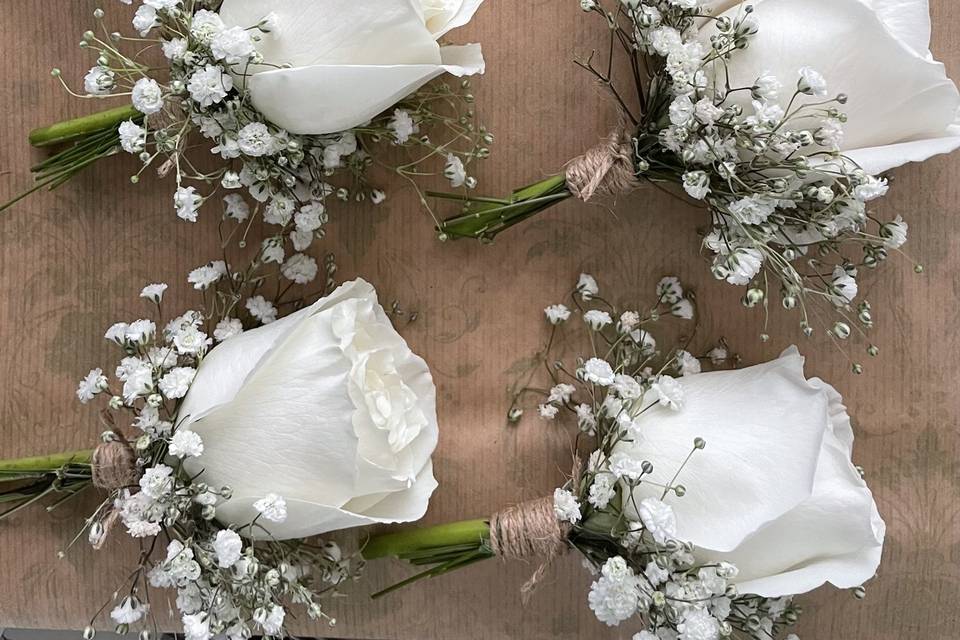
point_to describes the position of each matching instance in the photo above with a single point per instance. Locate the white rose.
(902, 106)
(774, 492)
(349, 60)
(327, 408)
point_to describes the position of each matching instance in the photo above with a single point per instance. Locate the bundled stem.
(94, 137)
(484, 218)
(444, 548)
(42, 464)
(80, 128)
(25, 481)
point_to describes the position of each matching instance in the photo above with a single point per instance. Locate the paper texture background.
(73, 262)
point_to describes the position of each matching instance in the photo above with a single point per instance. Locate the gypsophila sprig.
(202, 92)
(790, 214)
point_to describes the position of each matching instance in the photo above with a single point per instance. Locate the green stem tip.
(483, 218)
(78, 128)
(44, 464)
(402, 544)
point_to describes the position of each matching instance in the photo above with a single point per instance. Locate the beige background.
(71, 263)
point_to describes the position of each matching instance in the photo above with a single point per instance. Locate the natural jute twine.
(607, 169)
(114, 464)
(529, 530)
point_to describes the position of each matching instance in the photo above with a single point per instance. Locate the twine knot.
(527, 531)
(114, 464)
(606, 169)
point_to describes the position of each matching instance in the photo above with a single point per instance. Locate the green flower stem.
(404, 544)
(70, 130)
(94, 138)
(484, 218)
(43, 464)
(27, 481)
(444, 548)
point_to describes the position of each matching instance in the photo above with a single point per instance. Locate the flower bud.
(841, 330)
(96, 535)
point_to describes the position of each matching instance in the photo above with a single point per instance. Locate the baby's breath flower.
(626, 467)
(99, 81)
(566, 507)
(587, 287)
(209, 274)
(586, 419)
(602, 490)
(669, 392)
(156, 481)
(844, 286)
(261, 309)
(186, 201)
(894, 233)
(147, 96)
(227, 328)
(682, 309)
(300, 268)
(597, 371)
(561, 393)
(812, 83)
(186, 444)
(91, 386)
(228, 547)
(145, 20)
(154, 292)
(255, 140)
(402, 126)
(272, 507)
(614, 597)
(597, 319)
(742, 266)
(548, 411)
(687, 363)
(669, 290)
(209, 85)
(455, 171)
(234, 45)
(129, 611)
(658, 519)
(629, 320)
(176, 383)
(557, 313)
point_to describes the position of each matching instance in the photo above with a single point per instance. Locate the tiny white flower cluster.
(780, 192)
(288, 178)
(225, 586)
(646, 574)
(677, 600)
(626, 373)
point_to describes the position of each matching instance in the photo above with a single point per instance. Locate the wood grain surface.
(72, 263)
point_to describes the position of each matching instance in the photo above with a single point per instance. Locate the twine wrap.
(114, 465)
(607, 169)
(526, 531)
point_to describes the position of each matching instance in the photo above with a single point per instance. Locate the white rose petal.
(777, 454)
(375, 52)
(885, 53)
(351, 414)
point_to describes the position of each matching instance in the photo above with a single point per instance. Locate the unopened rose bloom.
(344, 61)
(902, 107)
(778, 457)
(328, 408)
